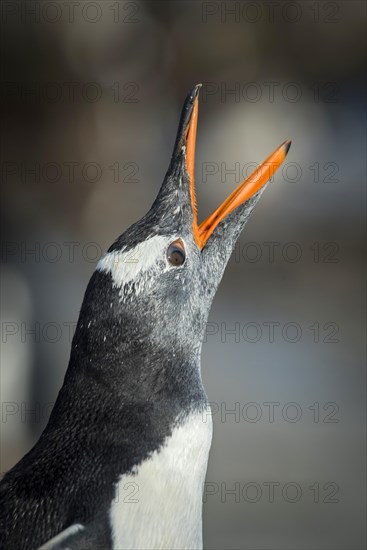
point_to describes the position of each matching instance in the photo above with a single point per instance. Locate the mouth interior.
(244, 191)
(190, 166)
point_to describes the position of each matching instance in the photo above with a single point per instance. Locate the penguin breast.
(159, 504)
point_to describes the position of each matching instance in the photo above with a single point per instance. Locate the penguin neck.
(135, 365)
(127, 350)
(125, 379)
(134, 395)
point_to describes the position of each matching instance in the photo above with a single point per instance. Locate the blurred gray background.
(91, 95)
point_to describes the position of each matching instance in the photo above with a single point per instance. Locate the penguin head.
(163, 272)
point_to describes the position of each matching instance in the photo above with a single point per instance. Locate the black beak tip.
(194, 93)
(287, 146)
(191, 96)
(185, 118)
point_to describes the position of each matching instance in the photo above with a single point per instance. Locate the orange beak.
(244, 191)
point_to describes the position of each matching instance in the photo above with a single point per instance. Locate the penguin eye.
(176, 254)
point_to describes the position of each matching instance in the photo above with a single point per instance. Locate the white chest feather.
(160, 506)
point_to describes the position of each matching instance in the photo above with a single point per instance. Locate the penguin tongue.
(245, 191)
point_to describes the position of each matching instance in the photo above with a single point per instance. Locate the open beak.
(244, 191)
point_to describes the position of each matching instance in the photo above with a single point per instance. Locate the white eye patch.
(137, 264)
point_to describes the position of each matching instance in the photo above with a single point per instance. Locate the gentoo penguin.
(122, 461)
